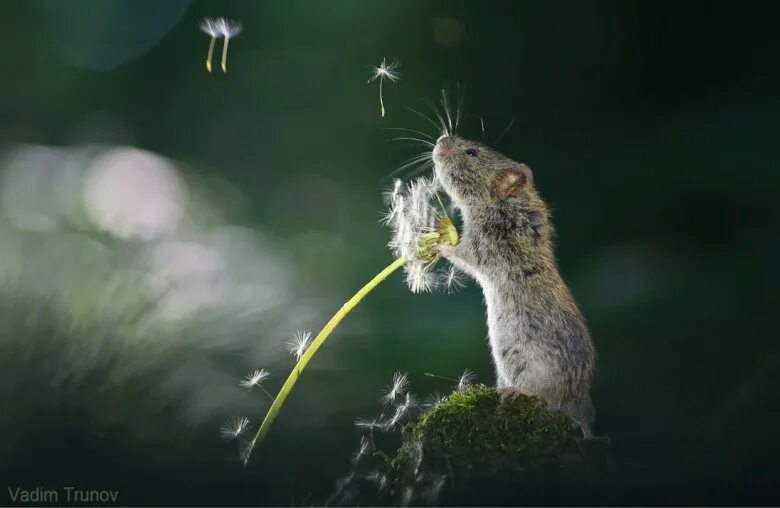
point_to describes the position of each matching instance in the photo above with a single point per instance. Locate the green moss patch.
(494, 451)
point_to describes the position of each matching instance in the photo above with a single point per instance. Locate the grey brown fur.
(538, 337)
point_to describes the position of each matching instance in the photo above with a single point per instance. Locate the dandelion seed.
(362, 451)
(209, 27)
(234, 428)
(432, 491)
(397, 388)
(227, 29)
(432, 401)
(453, 280)
(376, 423)
(466, 379)
(417, 456)
(406, 496)
(298, 344)
(385, 71)
(401, 410)
(379, 478)
(254, 379)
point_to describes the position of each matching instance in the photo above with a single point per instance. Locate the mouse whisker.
(458, 105)
(418, 140)
(426, 117)
(421, 133)
(423, 158)
(506, 130)
(437, 113)
(446, 107)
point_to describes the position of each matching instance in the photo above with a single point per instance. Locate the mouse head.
(475, 175)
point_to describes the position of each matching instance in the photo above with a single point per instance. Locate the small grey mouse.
(538, 337)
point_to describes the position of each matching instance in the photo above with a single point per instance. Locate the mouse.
(540, 344)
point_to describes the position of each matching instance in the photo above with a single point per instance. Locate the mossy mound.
(474, 448)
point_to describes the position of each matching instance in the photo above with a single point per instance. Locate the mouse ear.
(512, 181)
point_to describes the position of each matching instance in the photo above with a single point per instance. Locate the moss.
(494, 451)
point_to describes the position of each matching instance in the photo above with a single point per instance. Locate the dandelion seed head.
(228, 28)
(210, 27)
(386, 71)
(298, 343)
(419, 223)
(235, 428)
(397, 388)
(254, 378)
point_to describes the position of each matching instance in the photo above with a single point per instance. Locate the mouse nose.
(445, 146)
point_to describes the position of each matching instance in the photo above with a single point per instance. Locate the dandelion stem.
(224, 55)
(273, 411)
(211, 53)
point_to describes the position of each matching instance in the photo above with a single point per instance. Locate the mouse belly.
(537, 352)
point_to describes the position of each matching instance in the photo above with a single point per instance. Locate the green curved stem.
(345, 309)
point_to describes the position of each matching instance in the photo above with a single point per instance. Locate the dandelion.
(235, 428)
(298, 343)
(227, 29)
(362, 451)
(384, 71)
(466, 379)
(397, 388)
(419, 224)
(209, 27)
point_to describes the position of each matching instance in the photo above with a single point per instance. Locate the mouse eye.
(471, 152)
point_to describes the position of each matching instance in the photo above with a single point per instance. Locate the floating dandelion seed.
(227, 29)
(379, 478)
(406, 496)
(453, 280)
(298, 344)
(376, 423)
(466, 379)
(397, 388)
(432, 401)
(385, 71)
(254, 379)
(401, 410)
(209, 27)
(234, 428)
(365, 445)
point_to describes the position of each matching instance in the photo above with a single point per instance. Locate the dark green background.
(652, 129)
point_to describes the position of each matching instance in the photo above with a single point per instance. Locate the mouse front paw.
(444, 250)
